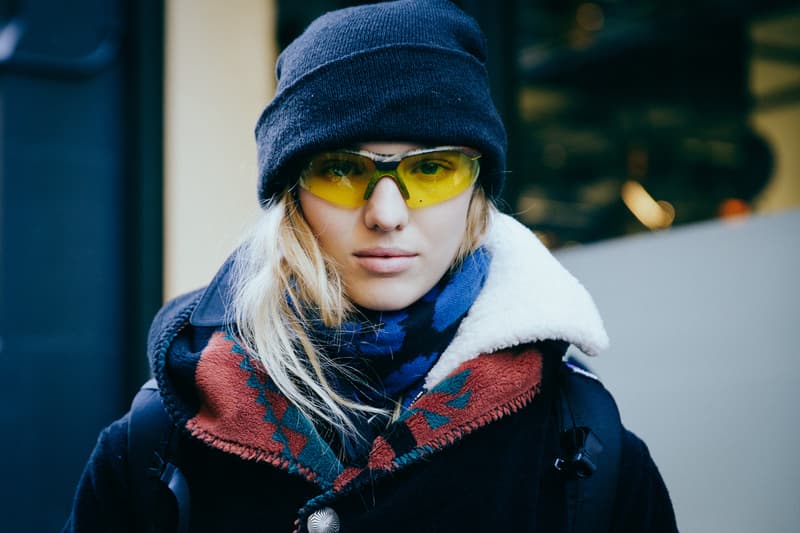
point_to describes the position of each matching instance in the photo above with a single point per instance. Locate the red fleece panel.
(227, 418)
(346, 477)
(278, 402)
(501, 379)
(381, 456)
(295, 440)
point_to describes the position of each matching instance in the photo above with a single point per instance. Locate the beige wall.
(781, 128)
(220, 60)
(780, 125)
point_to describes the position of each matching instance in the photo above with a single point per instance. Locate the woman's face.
(388, 254)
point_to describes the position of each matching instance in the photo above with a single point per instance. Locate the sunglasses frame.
(386, 164)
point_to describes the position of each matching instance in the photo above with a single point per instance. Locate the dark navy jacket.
(474, 453)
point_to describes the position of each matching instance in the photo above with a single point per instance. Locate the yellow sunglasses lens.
(339, 177)
(425, 178)
(434, 177)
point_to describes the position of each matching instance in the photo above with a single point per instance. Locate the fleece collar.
(528, 296)
(242, 412)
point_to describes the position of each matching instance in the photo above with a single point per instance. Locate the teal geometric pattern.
(452, 386)
(293, 430)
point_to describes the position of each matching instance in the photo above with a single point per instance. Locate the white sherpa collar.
(528, 296)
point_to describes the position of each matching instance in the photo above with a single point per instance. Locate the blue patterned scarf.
(392, 351)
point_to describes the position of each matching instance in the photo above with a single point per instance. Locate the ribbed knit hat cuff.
(406, 93)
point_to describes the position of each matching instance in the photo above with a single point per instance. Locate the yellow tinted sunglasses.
(425, 176)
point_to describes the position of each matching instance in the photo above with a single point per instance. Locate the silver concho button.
(323, 520)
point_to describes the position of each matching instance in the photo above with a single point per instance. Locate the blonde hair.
(279, 273)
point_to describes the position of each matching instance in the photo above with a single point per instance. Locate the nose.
(386, 209)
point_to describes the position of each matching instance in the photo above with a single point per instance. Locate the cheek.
(445, 227)
(313, 212)
(328, 223)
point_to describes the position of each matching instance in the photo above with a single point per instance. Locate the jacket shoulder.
(643, 502)
(101, 501)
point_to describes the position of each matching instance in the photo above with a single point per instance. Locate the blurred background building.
(636, 130)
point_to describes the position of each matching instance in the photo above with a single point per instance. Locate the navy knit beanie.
(410, 70)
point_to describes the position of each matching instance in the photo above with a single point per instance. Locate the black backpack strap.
(152, 454)
(591, 444)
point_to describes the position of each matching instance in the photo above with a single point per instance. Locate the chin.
(383, 304)
(386, 299)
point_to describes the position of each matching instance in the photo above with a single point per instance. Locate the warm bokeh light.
(653, 214)
(590, 17)
(733, 207)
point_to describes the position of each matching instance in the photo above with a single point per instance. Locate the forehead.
(387, 148)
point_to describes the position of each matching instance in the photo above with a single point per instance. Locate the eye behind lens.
(335, 166)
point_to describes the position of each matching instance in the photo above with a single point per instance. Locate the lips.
(385, 260)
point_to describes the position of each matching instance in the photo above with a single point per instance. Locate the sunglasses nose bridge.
(385, 169)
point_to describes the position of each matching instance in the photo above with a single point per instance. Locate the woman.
(383, 352)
